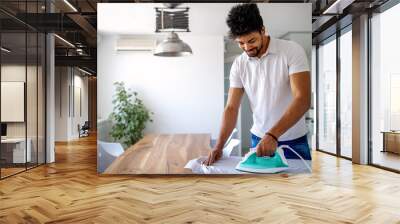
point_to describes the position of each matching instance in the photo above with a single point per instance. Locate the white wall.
(61, 103)
(82, 82)
(185, 93)
(302, 38)
(66, 121)
(204, 18)
(79, 117)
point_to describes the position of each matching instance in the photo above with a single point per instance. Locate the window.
(385, 89)
(327, 96)
(346, 94)
(22, 78)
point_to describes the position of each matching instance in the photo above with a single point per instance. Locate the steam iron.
(266, 164)
(277, 163)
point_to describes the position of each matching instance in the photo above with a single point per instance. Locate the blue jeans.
(300, 145)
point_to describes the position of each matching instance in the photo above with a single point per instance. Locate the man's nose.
(246, 47)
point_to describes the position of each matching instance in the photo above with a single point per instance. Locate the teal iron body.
(254, 164)
(277, 163)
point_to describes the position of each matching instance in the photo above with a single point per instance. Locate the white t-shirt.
(266, 83)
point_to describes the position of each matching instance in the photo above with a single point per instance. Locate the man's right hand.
(213, 156)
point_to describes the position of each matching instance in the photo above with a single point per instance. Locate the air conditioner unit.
(135, 44)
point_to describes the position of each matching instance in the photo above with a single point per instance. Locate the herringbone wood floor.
(70, 191)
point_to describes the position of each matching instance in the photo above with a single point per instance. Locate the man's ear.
(263, 30)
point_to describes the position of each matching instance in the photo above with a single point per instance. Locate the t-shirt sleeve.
(234, 76)
(297, 59)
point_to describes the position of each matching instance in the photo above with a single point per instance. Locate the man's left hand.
(267, 146)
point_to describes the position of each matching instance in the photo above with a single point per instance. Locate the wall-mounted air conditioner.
(135, 44)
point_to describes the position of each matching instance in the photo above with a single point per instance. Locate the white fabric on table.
(226, 165)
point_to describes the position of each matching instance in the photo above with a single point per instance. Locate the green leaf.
(129, 116)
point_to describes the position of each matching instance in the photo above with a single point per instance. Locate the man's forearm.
(294, 112)
(228, 124)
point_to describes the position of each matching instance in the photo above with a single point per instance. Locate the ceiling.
(77, 26)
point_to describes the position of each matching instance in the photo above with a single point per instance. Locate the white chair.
(232, 135)
(107, 153)
(232, 148)
(103, 130)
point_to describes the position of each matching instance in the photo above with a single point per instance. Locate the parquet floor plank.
(70, 191)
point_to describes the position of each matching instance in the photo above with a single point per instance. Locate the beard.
(253, 52)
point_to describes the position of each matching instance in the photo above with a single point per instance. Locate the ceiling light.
(70, 5)
(64, 40)
(338, 6)
(84, 71)
(5, 50)
(172, 47)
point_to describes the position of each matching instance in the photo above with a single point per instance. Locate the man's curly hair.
(244, 19)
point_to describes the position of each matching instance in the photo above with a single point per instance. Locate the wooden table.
(161, 154)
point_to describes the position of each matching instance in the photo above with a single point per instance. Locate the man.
(274, 74)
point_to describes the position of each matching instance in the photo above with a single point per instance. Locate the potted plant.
(129, 116)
